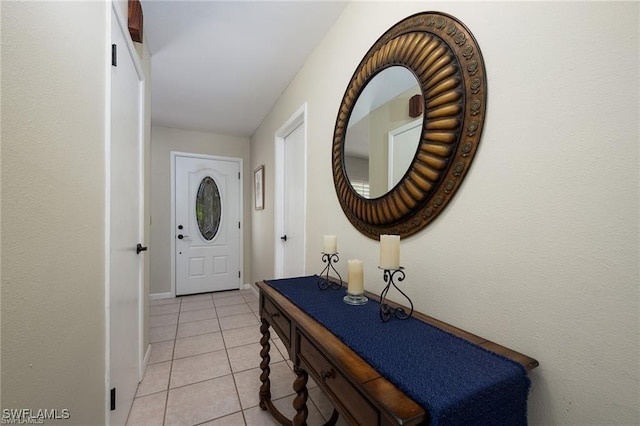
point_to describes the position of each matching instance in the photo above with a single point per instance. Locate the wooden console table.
(358, 392)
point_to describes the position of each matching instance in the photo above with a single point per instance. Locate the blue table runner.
(455, 381)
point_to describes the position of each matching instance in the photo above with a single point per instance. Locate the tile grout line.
(166, 401)
(233, 377)
(246, 303)
(201, 381)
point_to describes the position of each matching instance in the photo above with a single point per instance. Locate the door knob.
(140, 248)
(180, 236)
(283, 238)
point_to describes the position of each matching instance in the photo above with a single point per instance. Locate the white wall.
(53, 211)
(53, 157)
(163, 141)
(539, 249)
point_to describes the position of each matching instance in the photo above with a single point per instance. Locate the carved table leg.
(300, 401)
(265, 388)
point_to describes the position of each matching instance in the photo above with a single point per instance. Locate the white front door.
(293, 204)
(207, 224)
(125, 230)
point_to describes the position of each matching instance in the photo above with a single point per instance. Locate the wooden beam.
(135, 20)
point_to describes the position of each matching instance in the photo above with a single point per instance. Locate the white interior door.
(294, 201)
(403, 144)
(207, 224)
(125, 230)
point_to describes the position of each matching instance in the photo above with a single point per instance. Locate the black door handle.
(140, 248)
(180, 236)
(283, 238)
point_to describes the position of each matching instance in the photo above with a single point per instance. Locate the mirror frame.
(446, 60)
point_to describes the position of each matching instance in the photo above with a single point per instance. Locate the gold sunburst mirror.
(409, 125)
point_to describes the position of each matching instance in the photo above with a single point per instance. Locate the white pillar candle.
(355, 284)
(390, 251)
(330, 245)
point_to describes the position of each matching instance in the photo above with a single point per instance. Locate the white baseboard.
(253, 288)
(145, 361)
(156, 296)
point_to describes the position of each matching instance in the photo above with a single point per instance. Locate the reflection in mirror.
(381, 138)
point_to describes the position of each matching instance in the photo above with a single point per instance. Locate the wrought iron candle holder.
(323, 278)
(385, 310)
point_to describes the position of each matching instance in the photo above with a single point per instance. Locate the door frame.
(173, 155)
(112, 9)
(298, 118)
(391, 144)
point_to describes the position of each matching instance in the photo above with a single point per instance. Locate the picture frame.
(258, 188)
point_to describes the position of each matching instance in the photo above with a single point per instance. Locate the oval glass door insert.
(208, 208)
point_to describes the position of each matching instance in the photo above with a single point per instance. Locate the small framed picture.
(258, 187)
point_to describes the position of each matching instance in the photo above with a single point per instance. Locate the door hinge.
(238, 225)
(113, 399)
(114, 55)
(238, 175)
(238, 274)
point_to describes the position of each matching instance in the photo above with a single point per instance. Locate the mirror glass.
(381, 138)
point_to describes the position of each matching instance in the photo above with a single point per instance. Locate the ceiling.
(219, 66)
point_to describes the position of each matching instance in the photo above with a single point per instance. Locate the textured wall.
(53, 192)
(164, 140)
(539, 248)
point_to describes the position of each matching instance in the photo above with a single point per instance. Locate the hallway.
(204, 366)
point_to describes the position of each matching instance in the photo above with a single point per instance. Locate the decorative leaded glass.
(208, 208)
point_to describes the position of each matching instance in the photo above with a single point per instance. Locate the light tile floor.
(204, 366)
